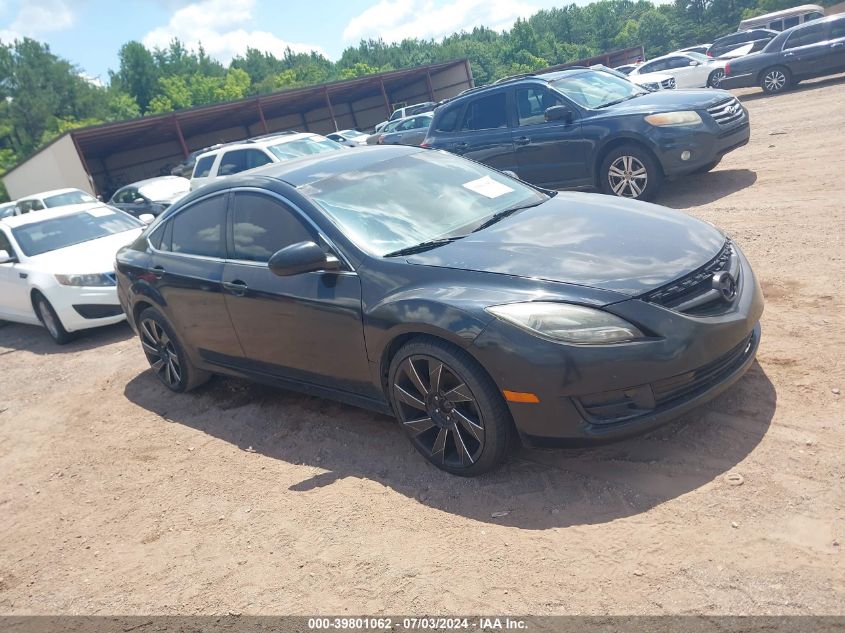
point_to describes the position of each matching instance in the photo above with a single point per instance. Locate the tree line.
(42, 95)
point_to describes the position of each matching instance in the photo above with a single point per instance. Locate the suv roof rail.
(504, 80)
(263, 137)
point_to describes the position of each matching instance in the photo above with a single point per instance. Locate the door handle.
(158, 272)
(522, 140)
(789, 54)
(837, 45)
(236, 287)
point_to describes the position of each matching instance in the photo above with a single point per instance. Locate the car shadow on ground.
(699, 189)
(812, 84)
(16, 337)
(536, 489)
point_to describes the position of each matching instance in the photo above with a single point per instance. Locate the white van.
(782, 20)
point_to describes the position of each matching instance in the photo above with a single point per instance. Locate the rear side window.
(486, 113)
(262, 226)
(448, 121)
(198, 230)
(815, 15)
(653, 67)
(240, 160)
(805, 36)
(788, 23)
(203, 167)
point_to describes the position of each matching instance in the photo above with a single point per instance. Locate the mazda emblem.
(725, 283)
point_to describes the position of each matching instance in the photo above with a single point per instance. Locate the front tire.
(715, 78)
(166, 354)
(50, 320)
(449, 407)
(629, 171)
(775, 80)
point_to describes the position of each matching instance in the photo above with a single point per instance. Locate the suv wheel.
(449, 407)
(776, 79)
(630, 172)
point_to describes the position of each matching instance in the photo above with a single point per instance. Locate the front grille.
(686, 385)
(727, 113)
(625, 404)
(668, 84)
(97, 310)
(694, 293)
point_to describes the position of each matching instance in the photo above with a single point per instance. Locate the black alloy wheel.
(450, 409)
(165, 355)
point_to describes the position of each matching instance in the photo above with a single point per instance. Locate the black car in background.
(812, 49)
(584, 128)
(465, 302)
(758, 38)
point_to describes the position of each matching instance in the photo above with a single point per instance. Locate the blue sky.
(90, 32)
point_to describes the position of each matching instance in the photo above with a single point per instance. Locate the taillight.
(727, 69)
(425, 145)
(709, 54)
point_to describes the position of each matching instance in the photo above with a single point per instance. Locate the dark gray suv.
(589, 128)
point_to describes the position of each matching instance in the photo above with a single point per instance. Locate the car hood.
(667, 101)
(93, 256)
(593, 240)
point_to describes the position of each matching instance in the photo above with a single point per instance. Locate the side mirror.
(694, 63)
(559, 113)
(5, 258)
(303, 257)
(147, 218)
(139, 201)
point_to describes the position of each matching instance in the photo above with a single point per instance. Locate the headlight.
(674, 119)
(567, 323)
(98, 279)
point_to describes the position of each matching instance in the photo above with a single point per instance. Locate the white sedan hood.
(93, 256)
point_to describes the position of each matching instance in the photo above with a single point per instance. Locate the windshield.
(303, 147)
(594, 89)
(165, 189)
(419, 197)
(50, 235)
(69, 197)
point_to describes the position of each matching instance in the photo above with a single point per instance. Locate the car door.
(187, 265)
(14, 291)
(836, 42)
(305, 327)
(484, 134)
(549, 153)
(685, 72)
(807, 52)
(417, 133)
(396, 137)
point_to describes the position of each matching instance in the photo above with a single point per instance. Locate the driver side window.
(263, 225)
(532, 103)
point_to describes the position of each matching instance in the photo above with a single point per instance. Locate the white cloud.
(222, 27)
(395, 20)
(36, 17)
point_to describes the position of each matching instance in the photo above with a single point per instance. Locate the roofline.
(401, 72)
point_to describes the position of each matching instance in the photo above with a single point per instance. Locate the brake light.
(709, 54)
(425, 145)
(727, 69)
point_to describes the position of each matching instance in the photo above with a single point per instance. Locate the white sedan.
(690, 70)
(57, 267)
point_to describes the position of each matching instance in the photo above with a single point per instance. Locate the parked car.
(186, 167)
(53, 198)
(784, 19)
(151, 196)
(402, 113)
(350, 138)
(234, 158)
(654, 81)
(410, 131)
(373, 138)
(7, 210)
(701, 49)
(813, 49)
(465, 302)
(57, 267)
(757, 38)
(583, 128)
(690, 70)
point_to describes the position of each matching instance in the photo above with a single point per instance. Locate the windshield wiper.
(612, 103)
(501, 215)
(423, 246)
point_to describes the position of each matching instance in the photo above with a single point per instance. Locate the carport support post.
(352, 112)
(331, 110)
(428, 83)
(386, 100)
(261, 116)
(181, 138)
(469, 74)
(84, 163)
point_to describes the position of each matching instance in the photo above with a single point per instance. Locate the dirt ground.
(117, 497)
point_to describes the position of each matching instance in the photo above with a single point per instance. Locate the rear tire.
(449, 407)
(630, 171)
(775, 79)
(166, 354)
(50, 320)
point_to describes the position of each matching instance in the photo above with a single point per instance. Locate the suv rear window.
(486, 113)
(203, 166)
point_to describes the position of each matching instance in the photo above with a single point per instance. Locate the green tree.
(138, 75)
